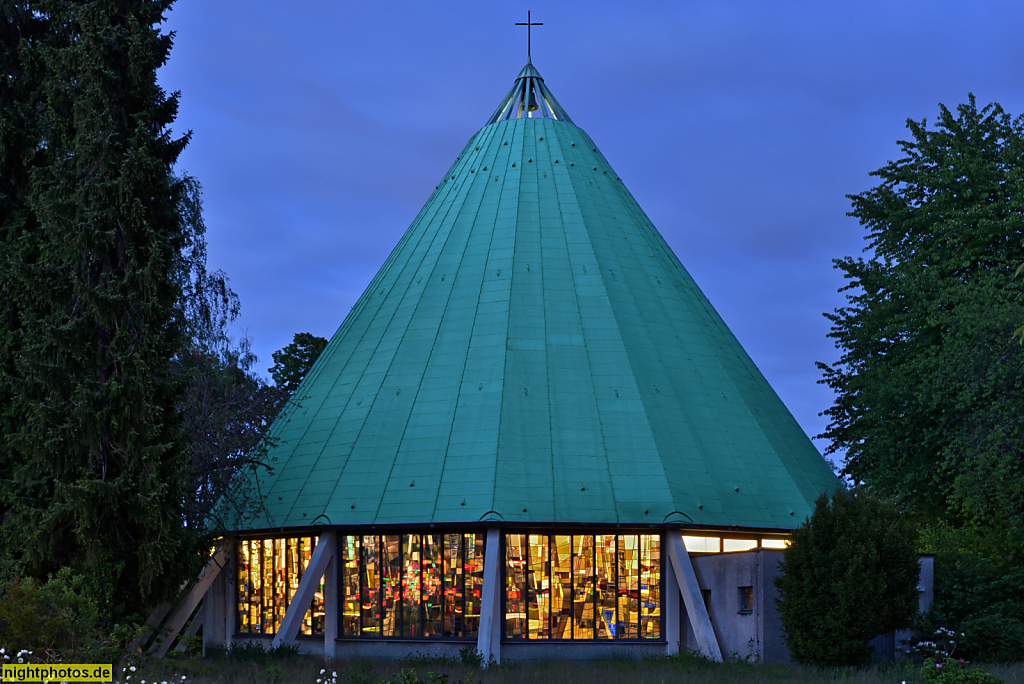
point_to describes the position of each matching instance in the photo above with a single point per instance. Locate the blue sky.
(320, 128)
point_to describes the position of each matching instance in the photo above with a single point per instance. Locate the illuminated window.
(349, 590)
(408, 585)
(602, 586)
(774, 543)
(411, 585)
(739, 544)
(650, 586)
(702, 544)
(269, 571)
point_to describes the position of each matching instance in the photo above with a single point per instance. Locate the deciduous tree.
(929, 389)
(293, 361)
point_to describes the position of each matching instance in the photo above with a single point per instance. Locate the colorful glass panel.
(280, 583)
(349, 594)
(473, 559)
(629, 587)
(391, 585)
(453, 586)
(267, 580)
(243, 587)
(256, 582)
(538, 602)
(583, 579)
(515, 586)
(304, 553)
(412, 561)
(605, 551)
(650, 586)
(432, 583)
(370, 600)
(561, 587)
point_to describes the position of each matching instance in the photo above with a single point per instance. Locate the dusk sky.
(321, 128)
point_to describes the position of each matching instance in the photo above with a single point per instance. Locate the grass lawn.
(306, 670)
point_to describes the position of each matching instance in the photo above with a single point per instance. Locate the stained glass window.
(411, 585)
(370, 585)
(453, 591)
(269, 572)
(561, 587)
(432, 582)
(628, 569)
(650, 586)
(583, 582)
(350, 615)
(391, 585)
(538, 603)
(473, 564)
(583, 587)
(515, 586)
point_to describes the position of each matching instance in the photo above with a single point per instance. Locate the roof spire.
(529, 98)
(528, 24)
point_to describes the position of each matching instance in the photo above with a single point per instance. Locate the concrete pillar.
(331, 616)
(230, 593)
(319, 561)
(189, 602)
(696, 611)
(489, 637)
(670, 610)
(215, 605)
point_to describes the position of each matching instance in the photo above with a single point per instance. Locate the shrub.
(58, 620)
(849, 574)
(979, 590)
(951, 671)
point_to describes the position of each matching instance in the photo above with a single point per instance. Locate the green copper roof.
(533, 351)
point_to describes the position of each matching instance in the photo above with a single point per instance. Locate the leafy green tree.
(293, 361)
(92, 440)
(929, 404)
(849, 575)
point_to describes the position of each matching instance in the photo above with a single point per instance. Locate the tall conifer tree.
(92, 438)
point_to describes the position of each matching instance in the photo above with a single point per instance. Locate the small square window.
(746, 596)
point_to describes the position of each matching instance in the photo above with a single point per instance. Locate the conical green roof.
(533, 352)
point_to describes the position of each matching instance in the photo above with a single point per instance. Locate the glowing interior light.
(702, 544)
(739, 544)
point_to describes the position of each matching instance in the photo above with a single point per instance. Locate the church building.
(532, 436)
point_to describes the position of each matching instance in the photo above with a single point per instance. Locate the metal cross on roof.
(528, 24)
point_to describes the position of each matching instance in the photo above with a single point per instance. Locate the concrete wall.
(757, 634)
(890, 650)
